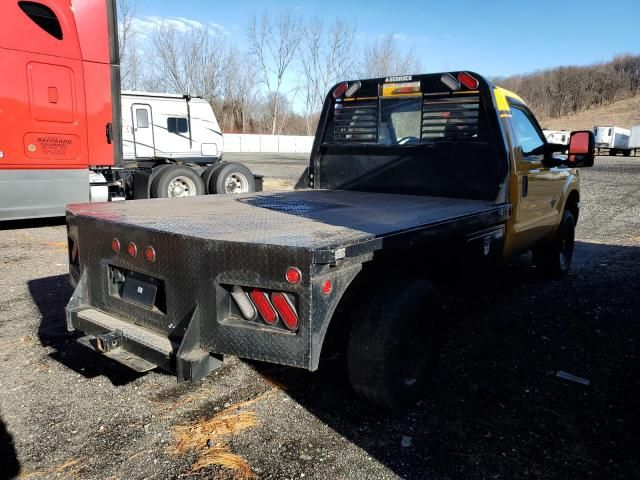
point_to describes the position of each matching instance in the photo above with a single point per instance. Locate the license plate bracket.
(140, 289)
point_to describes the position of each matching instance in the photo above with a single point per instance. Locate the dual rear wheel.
(183, 181)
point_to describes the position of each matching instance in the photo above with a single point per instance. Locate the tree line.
(568, 90)
(275, 85)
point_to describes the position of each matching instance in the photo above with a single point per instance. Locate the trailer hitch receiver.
(108, 341)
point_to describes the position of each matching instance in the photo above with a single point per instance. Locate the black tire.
(554, 259)
(208, 173)
(221, 179)
(627, 153)
(394, 343)
(191, 184)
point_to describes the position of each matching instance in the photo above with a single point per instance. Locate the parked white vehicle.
(173, 127)
(616, 139)
(634, 137)
(560, 137)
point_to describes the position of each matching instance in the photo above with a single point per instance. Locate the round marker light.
(327, 287)
(132, 250)
(150, 254)
(293, 275)
(115, 245)
(340, 89)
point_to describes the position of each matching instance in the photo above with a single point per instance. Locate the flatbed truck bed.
(312, 220)
(205, 246)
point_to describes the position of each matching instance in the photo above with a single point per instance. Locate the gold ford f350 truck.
(409, 177)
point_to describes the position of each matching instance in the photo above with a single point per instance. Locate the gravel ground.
(497, 409)
(281, 170)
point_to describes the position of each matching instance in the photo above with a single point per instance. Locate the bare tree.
(567, 90)
(239, 92)
(383, 57)
(191, 62)
(130, 62)
(326, 56)
(273, 44)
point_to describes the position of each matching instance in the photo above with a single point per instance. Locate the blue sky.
(490, 37)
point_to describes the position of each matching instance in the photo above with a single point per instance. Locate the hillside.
(624, 113)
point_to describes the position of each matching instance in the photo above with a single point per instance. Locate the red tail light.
(285, 309)
(150, 254)
(262, 303)
(468, 81)
(327, 287)
(132, 250)
(340, 89)
(115, 245)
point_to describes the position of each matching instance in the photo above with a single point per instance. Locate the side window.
(44, 17)
(527, 136)
(177, 125)
(142, 118)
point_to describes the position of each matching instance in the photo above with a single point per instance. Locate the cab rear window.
(407, 120)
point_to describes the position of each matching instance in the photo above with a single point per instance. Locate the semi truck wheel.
(232, 177)
(207, 174)
(394, 343)
(554, 259)
(176, 181)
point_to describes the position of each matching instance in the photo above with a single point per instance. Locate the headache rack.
(356, 121)
(450, 116)
(443, 115)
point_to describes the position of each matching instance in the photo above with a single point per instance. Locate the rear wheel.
(554, 259)
(232, 177)
(394, 343)
(176, 181)
(627, 153)
(208, 174)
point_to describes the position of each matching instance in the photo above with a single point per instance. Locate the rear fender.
(324, 305)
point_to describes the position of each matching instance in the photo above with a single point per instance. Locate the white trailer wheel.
(236, 183)
(181, 187)
(177, 181)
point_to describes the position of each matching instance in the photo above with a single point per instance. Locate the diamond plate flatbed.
(207, 245)
(309, 219)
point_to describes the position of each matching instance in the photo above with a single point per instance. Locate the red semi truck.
(60, 119)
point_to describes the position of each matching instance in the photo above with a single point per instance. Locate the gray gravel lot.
(497, 409)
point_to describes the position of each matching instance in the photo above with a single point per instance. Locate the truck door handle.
(109, 132)
(525, 186)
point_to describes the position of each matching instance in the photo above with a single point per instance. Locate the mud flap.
(192, 362)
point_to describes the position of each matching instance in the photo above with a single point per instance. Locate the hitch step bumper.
(138, 347)
(118, 339)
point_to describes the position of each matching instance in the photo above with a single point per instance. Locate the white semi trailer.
(615, 139)
(634, 139)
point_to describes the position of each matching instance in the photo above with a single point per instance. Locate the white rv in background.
(616, 139)
(173, 127)
(560, 137)
(634, 138)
